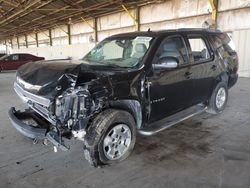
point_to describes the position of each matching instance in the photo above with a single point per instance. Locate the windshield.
(119, 52)
(3, 57)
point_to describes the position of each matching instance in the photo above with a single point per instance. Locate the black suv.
(139, 82)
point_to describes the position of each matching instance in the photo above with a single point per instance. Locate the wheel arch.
(131, 106)
(223, 77)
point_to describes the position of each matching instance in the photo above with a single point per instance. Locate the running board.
(172, 120)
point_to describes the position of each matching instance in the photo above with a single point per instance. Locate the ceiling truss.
(20, 17)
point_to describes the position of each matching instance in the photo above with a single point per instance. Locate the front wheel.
(218, 100)
(110, 138)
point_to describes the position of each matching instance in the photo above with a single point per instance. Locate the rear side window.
(24, 57)
(199, 49)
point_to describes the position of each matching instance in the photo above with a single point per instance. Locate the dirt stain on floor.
(188, 138)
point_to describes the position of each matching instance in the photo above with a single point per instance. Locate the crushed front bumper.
(37, 129)
(17, 120)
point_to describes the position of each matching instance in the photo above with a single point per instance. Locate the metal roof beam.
(20, 11)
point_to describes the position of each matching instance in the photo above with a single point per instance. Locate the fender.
(132, 106)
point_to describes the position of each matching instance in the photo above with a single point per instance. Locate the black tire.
(213, 108)
(99, 129)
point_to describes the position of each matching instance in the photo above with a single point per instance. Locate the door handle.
(213, 67)
(187, 75)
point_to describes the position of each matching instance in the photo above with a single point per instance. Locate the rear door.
(205, 68)
(24, 58)
(170, 90)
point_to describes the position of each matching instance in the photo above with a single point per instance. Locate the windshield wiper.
(107, 63)
(115, 65)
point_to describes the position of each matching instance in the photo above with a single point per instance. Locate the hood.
(45, 77)
(43, 72)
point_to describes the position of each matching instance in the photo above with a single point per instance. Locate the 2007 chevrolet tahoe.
(139, 82)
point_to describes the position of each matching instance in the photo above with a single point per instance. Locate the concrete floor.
(205, 151)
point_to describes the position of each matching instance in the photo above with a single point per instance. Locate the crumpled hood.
(50, 74)
(44, 72)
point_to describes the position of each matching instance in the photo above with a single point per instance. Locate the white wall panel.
(60, 31)
(81, 27)
(173, 10)
(43, 35)
(113, 21)
(234, 20)
(104, 34)
(231, 4)
(157, 12)
(82, 38)
(242, 43)
(60, 41)
(58, 52)
(180, 23)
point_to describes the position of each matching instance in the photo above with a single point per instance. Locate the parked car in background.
(14, 61)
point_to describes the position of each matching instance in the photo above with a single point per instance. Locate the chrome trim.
(42, 112)
(26, 96)
(27, 85)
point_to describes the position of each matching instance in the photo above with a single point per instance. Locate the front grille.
(27, 85)
(39, 104)
(27, 96)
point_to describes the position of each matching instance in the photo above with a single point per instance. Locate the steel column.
(26, 41)
(214, 6)
(69, 33)
(50, 38)
(37, 44)
(18, 44)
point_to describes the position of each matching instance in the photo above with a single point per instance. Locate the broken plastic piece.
(35, 141)
(55, 149)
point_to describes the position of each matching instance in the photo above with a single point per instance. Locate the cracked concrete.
(206, 151)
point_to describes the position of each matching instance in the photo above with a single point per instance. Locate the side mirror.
(166, 63)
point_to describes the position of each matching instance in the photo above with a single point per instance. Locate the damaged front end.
(54, 118)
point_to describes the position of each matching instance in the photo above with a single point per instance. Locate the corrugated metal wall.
(241, 39)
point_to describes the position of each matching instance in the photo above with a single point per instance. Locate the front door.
(10, 62)
(170, 90)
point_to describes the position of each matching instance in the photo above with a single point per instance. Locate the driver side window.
(172, 47)
(12, 58)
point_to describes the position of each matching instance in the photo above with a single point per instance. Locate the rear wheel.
(218, 100)
(110, 138)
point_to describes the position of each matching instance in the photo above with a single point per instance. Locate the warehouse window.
(199, 49)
